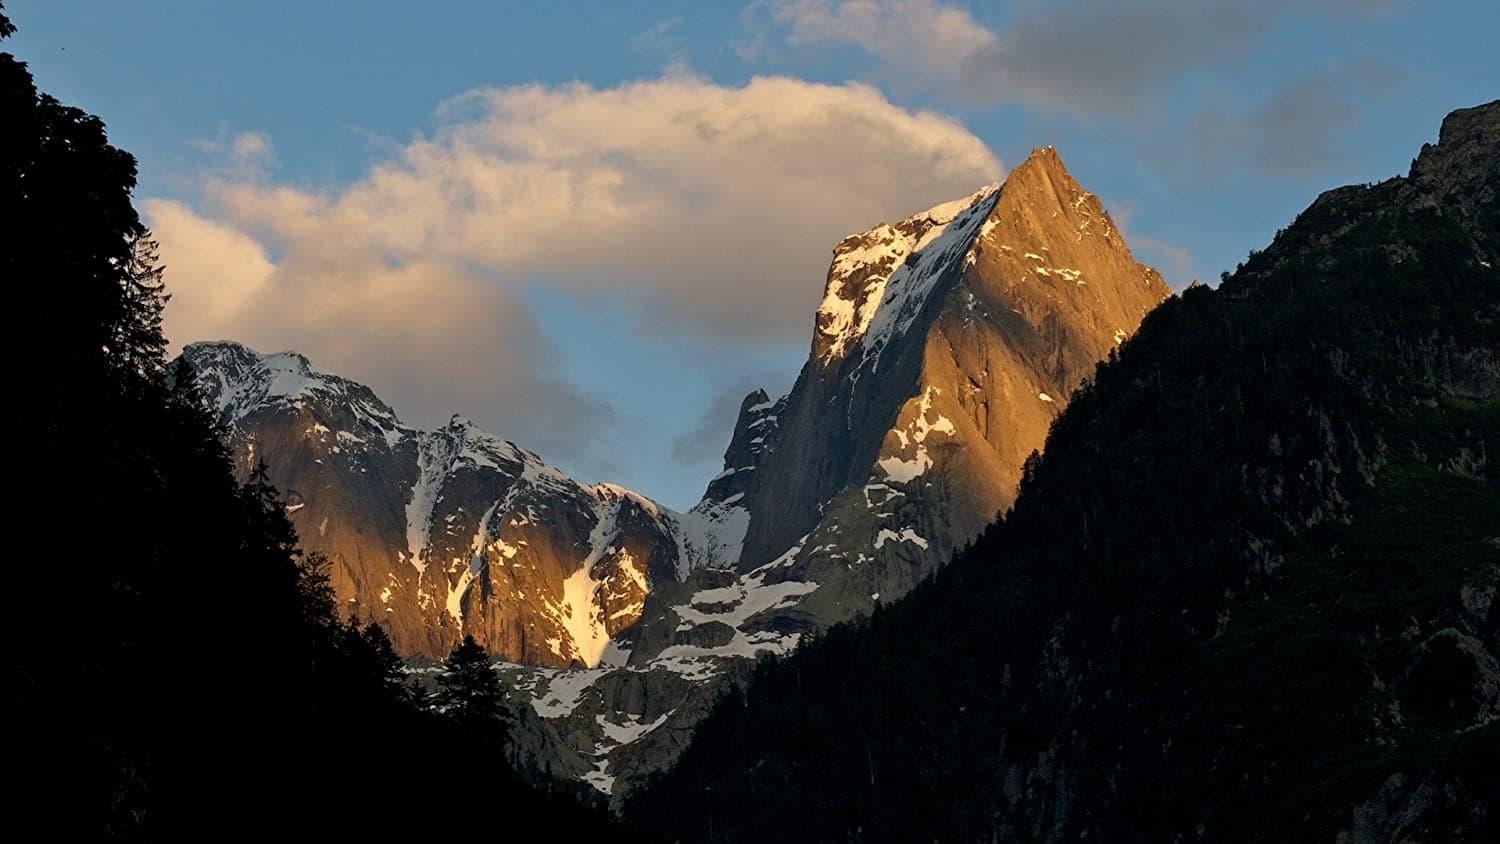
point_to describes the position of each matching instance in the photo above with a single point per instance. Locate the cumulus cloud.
(1086, 56)
(930, 39)
(721, 203)
(431, 338)
(716, 207)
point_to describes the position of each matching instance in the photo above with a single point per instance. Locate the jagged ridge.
(441, 532)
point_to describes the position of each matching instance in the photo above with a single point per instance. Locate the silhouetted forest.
(176, 668)
(1246, 593)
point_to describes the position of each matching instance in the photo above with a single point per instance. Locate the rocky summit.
(943, 348)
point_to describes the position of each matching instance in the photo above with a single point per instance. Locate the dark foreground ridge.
(1248, 593)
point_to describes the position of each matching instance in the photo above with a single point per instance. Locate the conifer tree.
(389, 666)
(469, 690)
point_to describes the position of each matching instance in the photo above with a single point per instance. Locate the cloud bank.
(714, 206)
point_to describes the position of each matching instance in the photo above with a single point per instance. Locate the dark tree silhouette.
(469, 690)
(175, 668)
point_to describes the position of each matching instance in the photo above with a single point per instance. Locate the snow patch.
(564, 691)
(600, 778)
(946, 243)
(615, 655)
(904, 470)
(631, 730)
(905, 535)
(734, 605)
(901, 471)
(454, 603)
(579, 613)
(710, 535)
(893, 268)
(435, 455)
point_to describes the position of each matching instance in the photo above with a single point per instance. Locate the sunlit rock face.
(944, 347)
(440, 533)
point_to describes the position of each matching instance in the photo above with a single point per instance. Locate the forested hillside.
(274, 715)
(1247, 593)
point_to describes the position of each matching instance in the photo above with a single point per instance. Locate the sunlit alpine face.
(595, 238)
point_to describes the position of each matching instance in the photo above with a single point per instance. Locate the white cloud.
(723, 203)
(431, 338)
(660, 40)
(715, 206)
(246, 155)
(924, 37)
(217, 270)
(252, 150)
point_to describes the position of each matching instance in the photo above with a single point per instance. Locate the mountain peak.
(1040, 154)
(1045, 159)
(236, 380)
(1238, 430)
(1461, 172)
(1015, 290)
(1466, 152)
(1476, 126)
(221, 349)
(216, 355)
(1044, 174)
(879, 279)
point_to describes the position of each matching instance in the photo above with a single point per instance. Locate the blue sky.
(612, 334)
